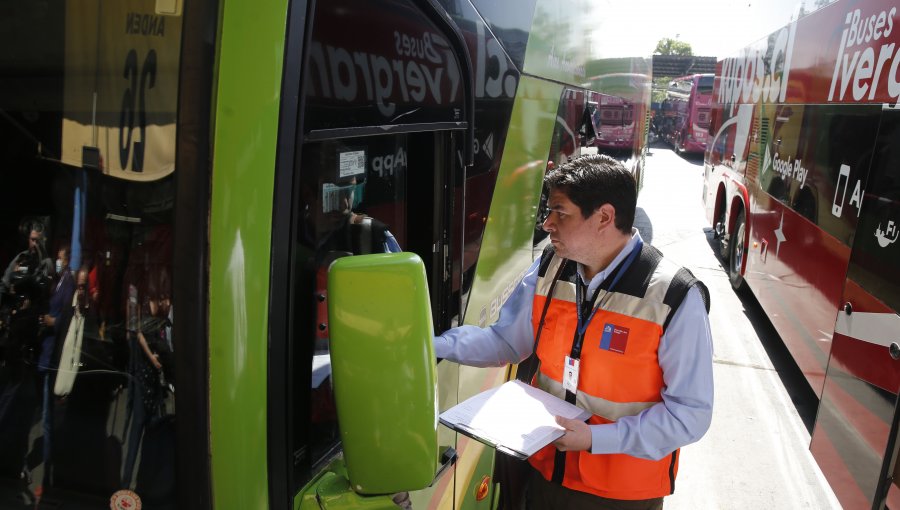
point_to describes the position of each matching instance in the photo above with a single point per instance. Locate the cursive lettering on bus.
(361, 76)
(145, 24)
(862, 68)
(759, 72)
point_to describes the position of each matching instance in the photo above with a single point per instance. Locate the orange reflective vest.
(619, 371)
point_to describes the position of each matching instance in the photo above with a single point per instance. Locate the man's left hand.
(577, 436)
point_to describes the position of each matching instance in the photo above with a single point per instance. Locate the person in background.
(30, 267)
(631, 326)
(148, 330)
(24, 289)
(55, 323)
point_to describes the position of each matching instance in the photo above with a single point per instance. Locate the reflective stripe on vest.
(619, 376)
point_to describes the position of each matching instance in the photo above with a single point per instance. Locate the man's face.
(33, 239)
(61, 255)
(337, 204)
(81, 281)
(572, 234)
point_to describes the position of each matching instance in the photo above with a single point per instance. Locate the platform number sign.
(133, 116)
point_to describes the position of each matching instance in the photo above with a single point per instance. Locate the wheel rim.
(738, 259)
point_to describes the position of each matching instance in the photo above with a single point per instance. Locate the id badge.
(570, 374)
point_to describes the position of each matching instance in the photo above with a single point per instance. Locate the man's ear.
(607, 215)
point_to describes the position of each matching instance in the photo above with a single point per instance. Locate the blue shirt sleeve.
(509, 340)
(684, 415)
(685, 356)
(390, 243)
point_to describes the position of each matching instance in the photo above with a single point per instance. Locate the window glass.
(705, 84)
(829, 178)
(352, 201)
(564, 146)
(875, 248)
(611, 114)
(87, 356)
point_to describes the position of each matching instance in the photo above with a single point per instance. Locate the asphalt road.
(756, 453)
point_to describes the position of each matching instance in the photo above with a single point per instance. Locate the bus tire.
(738, 251)
(722, 239)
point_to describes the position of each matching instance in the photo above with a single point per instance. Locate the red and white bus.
(616, 123)
(622, 107)
(687, 107)
(802, 183)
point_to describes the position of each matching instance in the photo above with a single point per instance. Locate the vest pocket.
(625, 477)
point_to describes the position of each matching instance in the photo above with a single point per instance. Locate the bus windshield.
(705, 84)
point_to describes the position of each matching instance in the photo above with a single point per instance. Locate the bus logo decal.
(788, 170)
(758, 72)
(779, 234)
(887, 236)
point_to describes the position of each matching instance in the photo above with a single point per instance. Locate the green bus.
(254, 164)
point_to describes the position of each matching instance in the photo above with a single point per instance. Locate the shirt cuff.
(441, 347)
(605, 438)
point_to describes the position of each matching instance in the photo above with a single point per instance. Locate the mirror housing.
(384, 371)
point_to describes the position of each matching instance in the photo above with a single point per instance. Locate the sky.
(714, 28)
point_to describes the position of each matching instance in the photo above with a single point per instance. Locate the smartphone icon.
(840, 190)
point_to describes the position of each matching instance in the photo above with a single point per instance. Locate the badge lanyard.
(573, 361)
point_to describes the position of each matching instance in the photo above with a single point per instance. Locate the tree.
(669, 46)
(658, 90)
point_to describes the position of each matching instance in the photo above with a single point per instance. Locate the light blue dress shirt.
(685, 356)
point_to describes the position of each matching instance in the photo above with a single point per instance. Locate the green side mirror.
(384, 371)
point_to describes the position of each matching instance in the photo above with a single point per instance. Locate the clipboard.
(513, 418)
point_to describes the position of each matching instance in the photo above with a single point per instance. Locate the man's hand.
(577, 436)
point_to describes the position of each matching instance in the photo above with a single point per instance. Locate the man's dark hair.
(593, 180)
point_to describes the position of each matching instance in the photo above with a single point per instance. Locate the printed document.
(515, 418)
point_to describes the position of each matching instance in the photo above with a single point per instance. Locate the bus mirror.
(384, 371)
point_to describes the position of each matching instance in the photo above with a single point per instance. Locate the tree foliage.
(658, 91)
(669, 46)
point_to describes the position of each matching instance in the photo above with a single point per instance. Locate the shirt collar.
(599, 277)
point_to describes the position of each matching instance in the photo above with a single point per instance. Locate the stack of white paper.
(515, 418)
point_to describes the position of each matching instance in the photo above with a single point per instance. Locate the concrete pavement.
(756, 453)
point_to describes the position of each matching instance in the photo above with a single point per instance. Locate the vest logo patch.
(615, 338)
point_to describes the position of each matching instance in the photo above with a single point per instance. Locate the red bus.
(621, 109)
(802, 184)
(687, 107)
(616, 123)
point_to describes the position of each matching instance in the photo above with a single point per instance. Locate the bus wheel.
(736, 257)
(722, 236)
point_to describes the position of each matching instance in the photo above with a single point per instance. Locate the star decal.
(779, 234)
